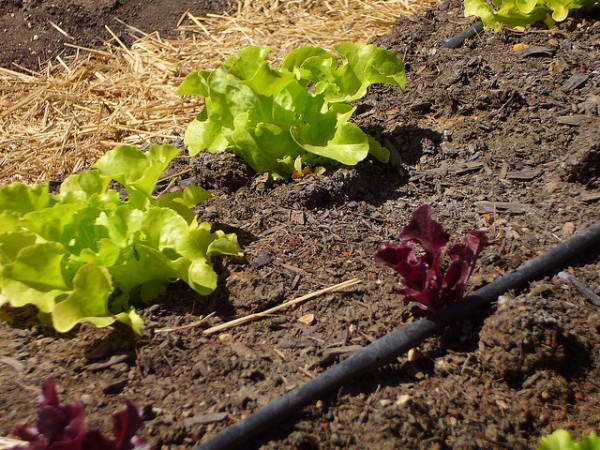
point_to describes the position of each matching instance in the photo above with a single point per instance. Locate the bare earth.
(493, 138)
(29, 38)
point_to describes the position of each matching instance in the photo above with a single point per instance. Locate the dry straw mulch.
(60, 121)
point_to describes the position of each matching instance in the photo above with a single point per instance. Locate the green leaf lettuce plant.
(280, 120)
(87, 254)
(562, 440)
(518, 14)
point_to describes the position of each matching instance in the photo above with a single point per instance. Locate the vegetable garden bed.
(500, 134)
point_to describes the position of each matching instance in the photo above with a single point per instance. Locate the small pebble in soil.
(261, 260)
(87, 399)
(225, 337)
(402, 400)
(307, 319)
(114, 388)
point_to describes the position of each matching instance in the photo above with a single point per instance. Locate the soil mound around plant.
(500, 134)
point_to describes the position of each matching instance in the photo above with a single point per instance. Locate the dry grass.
(60, 121)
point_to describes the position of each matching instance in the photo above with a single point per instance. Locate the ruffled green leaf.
(20, 198)
(349, 145)
(87, 302)
(365, 65)
(273, 118)
(519, 14)
(195, 84)
(87, 254)
(37, 275)
(137, 171)
(183, 201)
(562, 440)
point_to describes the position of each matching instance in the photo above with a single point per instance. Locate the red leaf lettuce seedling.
(424, 281)
(63, 427)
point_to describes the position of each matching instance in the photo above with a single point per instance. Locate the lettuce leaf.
(425, 283)
(63, 427)
(297, 114)
(88, 255)
(518, 14)
(562, 440)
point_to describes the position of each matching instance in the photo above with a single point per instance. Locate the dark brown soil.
(29, 39)
(493, 139)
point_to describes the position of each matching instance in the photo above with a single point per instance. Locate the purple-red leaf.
(63, 427)
(427, 232)
(48, 396)
(94, 440)
(424, 282)
(125, 424)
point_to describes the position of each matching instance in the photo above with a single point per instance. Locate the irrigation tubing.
(457, 40)
(392, 345)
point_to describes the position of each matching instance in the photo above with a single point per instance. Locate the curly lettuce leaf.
(519, 14)
(22, 199)
(87, 301)
(364, 65)
(562, 440)
(88, 255)
(137, 171)
(298, 114)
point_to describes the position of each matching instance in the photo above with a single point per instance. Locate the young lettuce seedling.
(562, 440)
(63, 427)
(86, 254)
(519, 14)
(424, 281)
(280, 120)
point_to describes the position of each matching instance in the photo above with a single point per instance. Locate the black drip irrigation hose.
(457, 40)
(392, 345)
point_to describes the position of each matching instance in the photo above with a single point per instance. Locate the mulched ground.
(493, 138)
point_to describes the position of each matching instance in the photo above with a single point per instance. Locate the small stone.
(261, 260)
(115, 388)
(402, 400)
(442, 366)
(414, 354)
(279, 320)
(568, 229)
(552, 187)
(202, 419)
(492, 433)
(557, 66)
(307, 319)
(505, 301)
(225, 337)
(87, 399)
